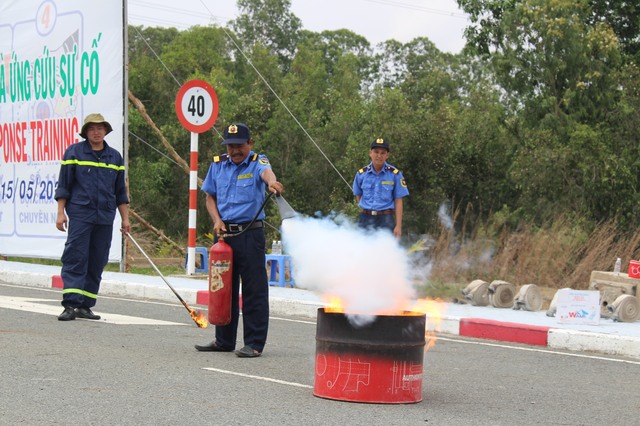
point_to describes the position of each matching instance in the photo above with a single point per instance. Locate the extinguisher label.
(218, 268)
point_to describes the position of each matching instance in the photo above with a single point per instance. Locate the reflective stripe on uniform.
(92, 163)
(82, 292)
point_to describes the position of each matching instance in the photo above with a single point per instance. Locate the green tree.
(559, 74)
(623, 17)
(269, 23)
(486, 32)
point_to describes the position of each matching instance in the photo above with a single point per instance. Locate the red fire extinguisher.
(221, 277)
(220, 283)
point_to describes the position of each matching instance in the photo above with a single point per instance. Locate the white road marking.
(531, 349)
(30, 305)
(266, 379)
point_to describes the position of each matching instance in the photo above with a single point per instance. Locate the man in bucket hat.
(379, 188)
(91, 186)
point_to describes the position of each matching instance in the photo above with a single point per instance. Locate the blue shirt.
(238, 188)
(93, 184)
(378, 191)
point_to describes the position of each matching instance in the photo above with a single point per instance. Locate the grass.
(561, 254)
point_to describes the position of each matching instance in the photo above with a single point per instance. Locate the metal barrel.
(381, 362)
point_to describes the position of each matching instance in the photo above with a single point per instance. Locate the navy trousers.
(86, 253)
(248, 266)
(384, 221)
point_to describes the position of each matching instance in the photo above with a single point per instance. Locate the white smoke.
(367, 270)
(445, 218)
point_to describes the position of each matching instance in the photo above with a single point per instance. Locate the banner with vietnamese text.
(59, 61)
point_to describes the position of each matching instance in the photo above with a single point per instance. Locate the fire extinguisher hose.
(228, 234)
(197, 316)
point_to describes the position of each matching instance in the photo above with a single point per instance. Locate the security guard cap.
(237, 133)
(94, 118)
(380, 143)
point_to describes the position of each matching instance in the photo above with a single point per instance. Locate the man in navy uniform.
(235, 191)
(379, 188)
(91, 186)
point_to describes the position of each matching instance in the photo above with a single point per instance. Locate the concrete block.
(611, 286)
(622, 281)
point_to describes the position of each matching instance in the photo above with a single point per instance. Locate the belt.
(239, 227)
(377, 212)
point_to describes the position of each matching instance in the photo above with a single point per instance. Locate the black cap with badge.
(380, 143)
(236, 134)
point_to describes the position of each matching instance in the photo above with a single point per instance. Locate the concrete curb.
(504, 331)
(594, 342)
(27, 279)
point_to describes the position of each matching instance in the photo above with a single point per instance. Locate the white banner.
(59, 61)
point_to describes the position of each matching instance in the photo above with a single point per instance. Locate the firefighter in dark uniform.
(379, 188)
(235, 191)
(91, 187)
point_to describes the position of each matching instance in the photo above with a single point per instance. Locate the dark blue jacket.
(94, 186)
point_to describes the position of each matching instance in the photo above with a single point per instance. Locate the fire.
(432, 308)
(199, 318)
(334, 304)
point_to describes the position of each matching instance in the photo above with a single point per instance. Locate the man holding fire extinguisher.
(235, 192)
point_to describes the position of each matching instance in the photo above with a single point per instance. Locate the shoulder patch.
(219, 158)
(264, 161)
(364, 169)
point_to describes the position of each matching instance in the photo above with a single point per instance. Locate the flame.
(432, 308)
(334, 305)
(199, 318)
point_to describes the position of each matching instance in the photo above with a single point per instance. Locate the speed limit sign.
(197, 106)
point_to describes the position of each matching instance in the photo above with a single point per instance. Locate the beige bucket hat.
(93, 119)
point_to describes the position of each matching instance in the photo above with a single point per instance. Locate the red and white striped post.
(197, 110)
(193, 203)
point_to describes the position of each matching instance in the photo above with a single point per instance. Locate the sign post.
(197, 110)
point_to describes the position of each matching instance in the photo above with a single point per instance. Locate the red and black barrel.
(380, 362)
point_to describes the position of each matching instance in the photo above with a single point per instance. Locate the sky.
(377, 20)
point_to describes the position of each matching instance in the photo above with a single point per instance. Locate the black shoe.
(67, 315)
(248, 352)
(211, 347)
(86, 313)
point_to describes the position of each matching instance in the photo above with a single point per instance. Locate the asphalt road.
(122, 372)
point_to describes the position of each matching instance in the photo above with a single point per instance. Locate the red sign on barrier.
(634, 269)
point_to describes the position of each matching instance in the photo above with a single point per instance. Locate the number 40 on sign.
(197, 106)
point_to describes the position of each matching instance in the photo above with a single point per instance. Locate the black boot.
(68, 314)
(86, 313)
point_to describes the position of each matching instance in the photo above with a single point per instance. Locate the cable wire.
(244, 55)
(154, 148)
(419, 8)
(158, 57)
(279, 99)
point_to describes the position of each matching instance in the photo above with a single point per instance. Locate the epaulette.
(255, 157)
(392, 169)
(365, 169)
(219, 158)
